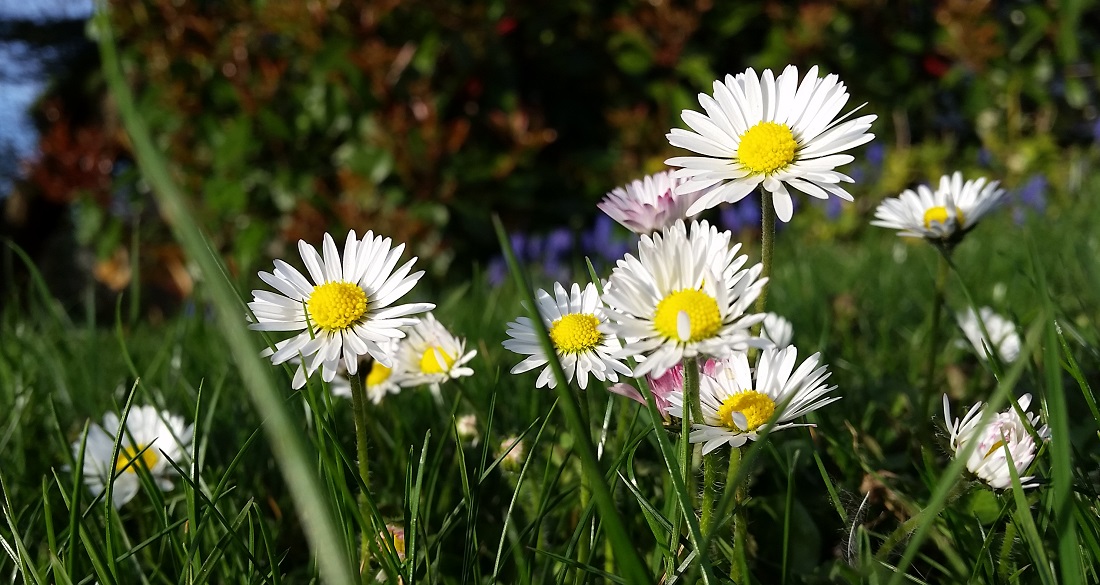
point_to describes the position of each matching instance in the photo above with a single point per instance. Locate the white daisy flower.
(769, 131)
(150, 439)
(345, 312)
(738, 404)
(512, 452)
(466, 428)
(379, 382)
(944, 214)
(777, 330)
(648, 205)
(579, 331)
(1002, 339)
(683, 296)
(432, 355)
(987, 459)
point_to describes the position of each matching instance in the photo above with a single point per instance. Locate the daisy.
(684, 295)
(664, 385)
(987, 459)
(768, 131)
(432, 355)
(151, 438)
(379, 382)
(650, 204)
(579, 332)
(777, 330)
(511, 453)
(738, 402)
(345, 312)
(1002, 339)
(945, 214)
(397, 534)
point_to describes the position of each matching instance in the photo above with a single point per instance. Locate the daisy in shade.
(648, 205)
(580, 334)
(345, 312)
(738, 403)
(432, 355)
(149, 440)
(380, 380)
(1002, 338)
(988, 459)
(771, 132)
(945, 214)
(685, 295)
(777, 330)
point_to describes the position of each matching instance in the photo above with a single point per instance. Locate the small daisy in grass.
(1002, 339)
(685, 295)
(345, 312)
(397, 533)
(777, 330)
(150, 439)
(738, 402)
(512, 452)
(772, 132)
(987, 459)
(379, 381)
(432, 355)
(579, 331)
(649, 204)
(945, 214)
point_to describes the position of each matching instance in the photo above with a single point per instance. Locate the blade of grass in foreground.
(314, 511)
(630, 563)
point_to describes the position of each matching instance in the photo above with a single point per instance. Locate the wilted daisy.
(738, 402)
(379, 381)
(650, 204)
(944, 214)
(683, 296)
(1002, 339)
(772, 132)
(777, 330)
(150, 439)
(432, 355)
(345, 312)
(987, 459)
(579, 331)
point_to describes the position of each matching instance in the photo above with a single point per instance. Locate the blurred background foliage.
(417, 119)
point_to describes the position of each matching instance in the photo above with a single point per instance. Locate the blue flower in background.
(1032, 195)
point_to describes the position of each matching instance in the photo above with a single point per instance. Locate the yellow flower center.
(939, 215)
(148, 458)
(701, 309)
(767, 147)
(335, 306)
(576, 333)
(435, 361)
(378, 374)
(755, 406)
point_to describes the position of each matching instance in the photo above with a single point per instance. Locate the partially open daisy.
(379, 381)
(684, 295)
(772, 132)
(149, 440)
(664, 385)
(988, 459)
(738, 402)
(432, 355)
(649, 204)
(579, 331)
(944, 214)
(345, 312)
(1003, 338)
(777, 330)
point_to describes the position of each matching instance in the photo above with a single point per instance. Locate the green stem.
(584, 547)
(739, 567)
(359, 413)
(1004, 559)
(767, 243)
(942, 273)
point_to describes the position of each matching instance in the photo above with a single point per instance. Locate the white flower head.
(582, 338)
(149, 439)
(512, 452)
(345, 312)
(466, 427)
(988, 459)
(685, 295)
(777, 330)
(649, 204)
(432, 355)
(379, 381)
(1002, 339)
(738, 402)
(944, 214)
(772, 132)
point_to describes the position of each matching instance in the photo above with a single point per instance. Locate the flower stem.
(738, 568)
(584, 546)
(359, 413)
(767, 243)
(1004, 564)
(942, 273)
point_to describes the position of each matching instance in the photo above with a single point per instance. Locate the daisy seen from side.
(769, 131)
(738, 401)
(684, 295)
(432, 355)
(649, 204)
(988, 459)
(777, 330)
(943, 215)
(346, 308)
(1002, 339)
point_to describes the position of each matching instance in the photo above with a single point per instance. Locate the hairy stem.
(359, 413)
